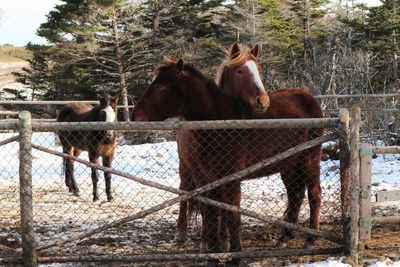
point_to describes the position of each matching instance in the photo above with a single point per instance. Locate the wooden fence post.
(365, 193)
(351, 246)
(344, 147)
(29, 257)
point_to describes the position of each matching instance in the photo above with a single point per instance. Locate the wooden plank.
(386, 149)
(383, 196)
(386, 220)
(365, 193)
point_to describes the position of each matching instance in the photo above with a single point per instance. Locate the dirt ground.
(385, 243)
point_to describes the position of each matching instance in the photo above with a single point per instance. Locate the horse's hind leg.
(95, 175)
(312, 178)
(182, 223)
(107, 177)
(74, 185)
(295, 188)
(69, 171)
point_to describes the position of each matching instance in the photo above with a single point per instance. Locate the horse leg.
(210, 227)
(107, 177)
(209, 233)
(95, 175)
(224, 234)
(312, 178)
(295, 188)
(69, 172)
(68, 169)
(186, 185)
(232, 196)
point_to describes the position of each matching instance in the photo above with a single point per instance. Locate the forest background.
(328, 47)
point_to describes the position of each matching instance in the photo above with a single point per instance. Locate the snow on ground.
(59, 215)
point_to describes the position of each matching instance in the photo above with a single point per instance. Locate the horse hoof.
(76, 194)
(309, 245)
(212, 263)
(70, 190)
(110, 199)
(233, 263)
(95, 199)
(180, 239)
(281, 244)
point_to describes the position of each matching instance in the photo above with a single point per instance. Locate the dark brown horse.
(236, 78)
(179, 90)
(97, 143)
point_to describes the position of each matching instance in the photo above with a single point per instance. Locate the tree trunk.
(121, 71)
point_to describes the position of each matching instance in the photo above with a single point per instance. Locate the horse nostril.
(262, 100)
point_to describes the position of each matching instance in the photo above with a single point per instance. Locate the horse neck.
(209, 103)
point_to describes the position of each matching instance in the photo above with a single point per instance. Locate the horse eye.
(159, 87)
(239, 71)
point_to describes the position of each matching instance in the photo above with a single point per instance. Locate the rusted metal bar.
(365, 193)
(194, 125)
(352, 245)
(186, 195)
(184, 257)
(386, 149)
(25, 179)
(9, 140)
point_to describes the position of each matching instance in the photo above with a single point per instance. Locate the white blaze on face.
(110, 114)
(256, 75)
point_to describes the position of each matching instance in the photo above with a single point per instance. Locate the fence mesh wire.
(60, 214)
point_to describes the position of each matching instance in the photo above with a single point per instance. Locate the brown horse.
(179, 90)
(236, 78)
(97, 143)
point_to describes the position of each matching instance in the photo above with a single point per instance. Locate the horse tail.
(193, 209)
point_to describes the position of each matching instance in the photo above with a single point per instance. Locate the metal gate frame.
(348, 170)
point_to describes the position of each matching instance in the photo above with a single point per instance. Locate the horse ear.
(235, 49)
(179, 65)
(254, 51)
(115, 98)
(101, 99)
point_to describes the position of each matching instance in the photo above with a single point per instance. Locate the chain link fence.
(140, 223)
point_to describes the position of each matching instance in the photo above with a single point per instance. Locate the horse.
(98, 143)
(235, 77)
(179, 90)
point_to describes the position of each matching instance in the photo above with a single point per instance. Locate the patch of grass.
(13, 53)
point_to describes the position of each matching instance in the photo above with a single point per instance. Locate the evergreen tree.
(377, 30)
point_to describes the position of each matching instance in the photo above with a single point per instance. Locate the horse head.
(163, 98)
(108, 107)
(240, 75)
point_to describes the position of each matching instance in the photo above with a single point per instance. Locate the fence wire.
(202, 156)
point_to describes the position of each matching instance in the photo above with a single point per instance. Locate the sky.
(19, 19)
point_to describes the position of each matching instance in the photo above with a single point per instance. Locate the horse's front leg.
(186, 185)
(295, 189)
(93, 158)
(107, 160)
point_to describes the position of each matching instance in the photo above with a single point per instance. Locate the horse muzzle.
(109, 137)
(261, 102)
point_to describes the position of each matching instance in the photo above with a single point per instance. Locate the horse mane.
(170, 61)
(229, 61)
